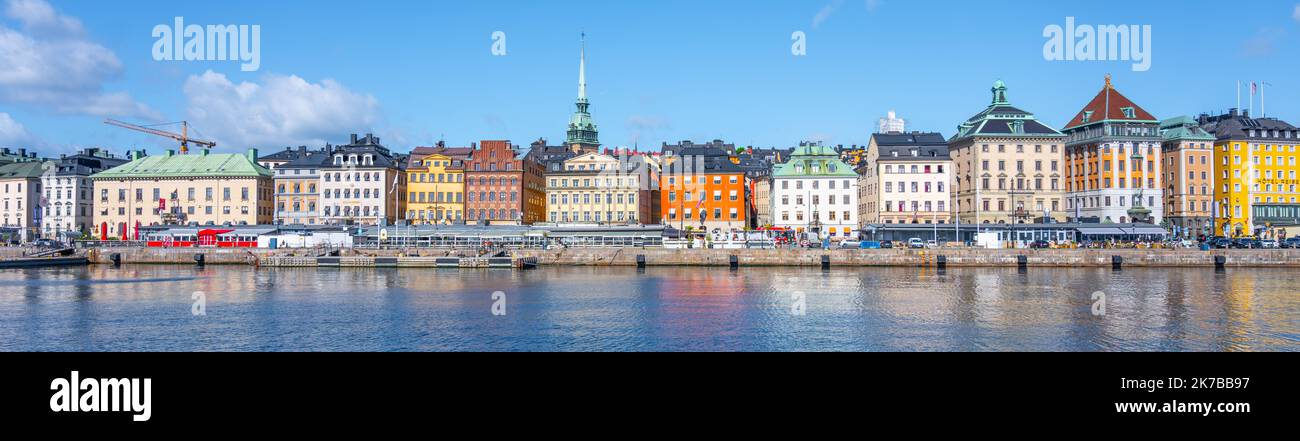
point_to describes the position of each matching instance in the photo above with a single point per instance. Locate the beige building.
(20, 197)
(904, 179)
(1007, 166)
(597, 188)
(196, 189)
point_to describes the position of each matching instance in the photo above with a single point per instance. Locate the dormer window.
(1129, 112)
(1017, 126)
(1087, 116)
(338, 159)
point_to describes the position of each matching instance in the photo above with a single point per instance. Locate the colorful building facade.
(702, 189)
(196, 189)
(1113, 161)
(1255, 175)
(815, 192)
(603, 189)
(436, 185)
(297, 184)
(1007, 166)
(362, 184)
(1187, 153)
(905, 178)
(503, 186)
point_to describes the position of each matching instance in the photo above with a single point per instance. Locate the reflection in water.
(147, 308)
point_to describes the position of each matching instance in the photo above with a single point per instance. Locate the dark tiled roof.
(899, 146)
(1238, 126)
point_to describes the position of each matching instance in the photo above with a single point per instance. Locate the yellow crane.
(183, 137)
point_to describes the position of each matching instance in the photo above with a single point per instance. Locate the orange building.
(1112, 161)
(1189, 177)
(703, 189)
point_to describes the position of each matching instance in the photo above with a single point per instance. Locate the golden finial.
(1108, 81)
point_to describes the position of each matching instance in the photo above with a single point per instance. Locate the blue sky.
(415, 72)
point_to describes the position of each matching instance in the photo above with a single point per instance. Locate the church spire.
(582, 69)
(582, 134)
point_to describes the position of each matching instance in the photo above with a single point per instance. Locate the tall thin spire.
(582, 135)
(582, 69)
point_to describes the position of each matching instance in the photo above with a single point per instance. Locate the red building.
(502, 185)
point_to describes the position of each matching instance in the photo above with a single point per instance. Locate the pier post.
(1220, 262)
(1022, 262)
(1116, 263)
(199, 259)
(734, 261)
(116, 258)
(941, 262)
(826, 262)
(640, 261)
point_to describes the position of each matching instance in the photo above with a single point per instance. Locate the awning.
(1100, 231)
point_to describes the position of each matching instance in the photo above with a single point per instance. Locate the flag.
(1254, 87)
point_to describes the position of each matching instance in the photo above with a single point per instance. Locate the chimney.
(22, 152)
(137, 154)
(354, 138)
(252, 155)
(1232, 112)
(370, 138)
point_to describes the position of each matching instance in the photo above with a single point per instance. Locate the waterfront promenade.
(951, 257)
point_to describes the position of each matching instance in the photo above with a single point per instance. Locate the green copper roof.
(198, 165)
(1185, 128)
(582, 129)
(814, 161)
(22, 170)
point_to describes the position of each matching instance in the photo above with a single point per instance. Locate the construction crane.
(183, 137)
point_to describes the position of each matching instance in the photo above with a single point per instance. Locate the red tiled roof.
(1107, 105)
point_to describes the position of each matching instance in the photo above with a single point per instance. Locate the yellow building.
(602, 189)
(196, 189)
(1255, 176)
(435, 185)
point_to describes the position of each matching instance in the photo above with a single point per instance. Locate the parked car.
(850, 244)
(46, 243)
(1039, 244)
(1293, 242)
(1245, 243)
(887, 244)
(915, 242)
(1268, 244)
(1220, 243)
(932, 244)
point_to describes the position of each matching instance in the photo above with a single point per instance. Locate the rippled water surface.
(149, 308)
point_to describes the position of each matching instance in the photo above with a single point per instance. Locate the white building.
(362, 184)
(892, 124)
(905, 179)
(68, 212)
(20, 194)
(814, 192)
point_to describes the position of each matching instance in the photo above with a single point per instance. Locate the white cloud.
(825, 13)
(12, 133)
(1263, 43)
(51, 65)
(1296, 14)
(38, 16)
(282, 110)
(873, 4)
(641, 125)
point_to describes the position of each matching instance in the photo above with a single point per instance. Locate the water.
(149, 308)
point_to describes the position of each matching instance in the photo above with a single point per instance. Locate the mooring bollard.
(640, 261)
(1116, 263)
(199, 259)
(826, 262)
(734, 261)
(116, 258)
(1220, 262)
(1022, 261)
(941, 262)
